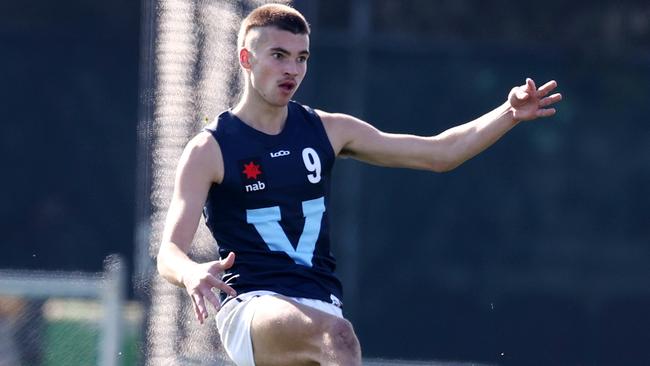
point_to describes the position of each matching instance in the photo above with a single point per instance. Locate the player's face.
(278, 63)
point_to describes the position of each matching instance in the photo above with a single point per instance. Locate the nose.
(292, 69)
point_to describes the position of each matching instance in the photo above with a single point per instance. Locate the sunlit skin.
(275, 63)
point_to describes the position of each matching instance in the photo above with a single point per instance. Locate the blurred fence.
(63, 318)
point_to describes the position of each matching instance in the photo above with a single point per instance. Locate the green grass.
(76, 343)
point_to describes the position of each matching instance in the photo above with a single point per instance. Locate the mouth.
(288, 86)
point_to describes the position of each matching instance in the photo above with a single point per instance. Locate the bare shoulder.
(340, 128)
(334, 119)
(345, 131)
(204, 140)
(203, 154)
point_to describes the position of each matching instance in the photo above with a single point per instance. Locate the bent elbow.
(443, 166)
(160, 261)
(159, 265)
(164, 270)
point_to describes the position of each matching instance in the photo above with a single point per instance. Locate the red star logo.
(251, 170)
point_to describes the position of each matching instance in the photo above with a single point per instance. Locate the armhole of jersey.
(212, 130)
(321, 128)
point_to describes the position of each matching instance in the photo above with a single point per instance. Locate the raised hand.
(528, 102)
(201, 279)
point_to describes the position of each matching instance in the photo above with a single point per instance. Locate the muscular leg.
(285, 332)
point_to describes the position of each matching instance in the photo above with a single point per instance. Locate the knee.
(341, 342)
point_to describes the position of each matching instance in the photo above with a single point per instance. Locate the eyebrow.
(282, 50)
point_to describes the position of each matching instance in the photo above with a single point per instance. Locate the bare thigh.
(285, 332)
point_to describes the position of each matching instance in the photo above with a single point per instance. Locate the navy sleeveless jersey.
(272, 205)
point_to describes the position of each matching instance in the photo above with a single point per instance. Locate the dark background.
(536, 252)
(69, 91)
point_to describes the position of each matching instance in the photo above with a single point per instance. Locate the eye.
(302, 59)
(277, 55)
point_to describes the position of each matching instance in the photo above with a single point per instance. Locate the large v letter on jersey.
(267, 223)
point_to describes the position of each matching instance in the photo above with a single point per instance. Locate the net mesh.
(196, 76)
(21, 327)
(68, 318)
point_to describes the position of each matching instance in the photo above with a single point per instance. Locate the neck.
(256, 112)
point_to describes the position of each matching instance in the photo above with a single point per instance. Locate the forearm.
(463, 142)
(172, 262)
(358, 139)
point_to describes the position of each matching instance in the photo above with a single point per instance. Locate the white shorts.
(234, 323)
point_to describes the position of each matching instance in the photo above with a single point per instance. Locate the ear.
(244, 58)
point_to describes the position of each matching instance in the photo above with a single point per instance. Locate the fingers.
(204, 292)
(522, 93)
(550, 100)
(228, 261)
(547, 112)
(203, 283)
(199, 307)
(530, 85)
(216, 283)
(199, 297)
(197, 312)
(213, 299)
(219, 266)
(546, 88)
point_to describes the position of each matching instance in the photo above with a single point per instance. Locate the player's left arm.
(355, 138)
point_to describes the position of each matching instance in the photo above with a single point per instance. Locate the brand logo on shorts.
(335, 301)
(280, 153)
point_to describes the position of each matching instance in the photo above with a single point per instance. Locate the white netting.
(196, 77)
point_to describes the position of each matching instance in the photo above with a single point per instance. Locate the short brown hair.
(280, 16)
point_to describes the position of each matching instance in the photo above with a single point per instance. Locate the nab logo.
(252, 175)
(257, 186)
(280, 153)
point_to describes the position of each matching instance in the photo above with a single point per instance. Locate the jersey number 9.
(312, 163)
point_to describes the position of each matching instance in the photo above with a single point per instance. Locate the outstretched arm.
(355, 138)
(196, 171)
